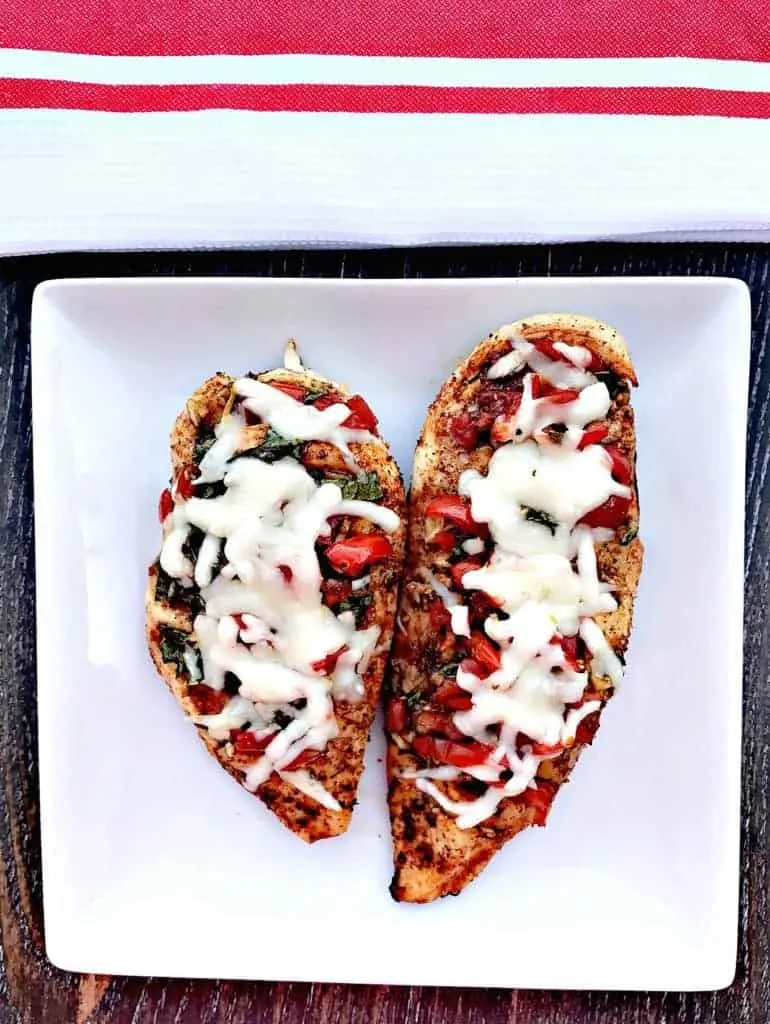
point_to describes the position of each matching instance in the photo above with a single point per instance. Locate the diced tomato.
(239, 621)
(459, 569)
(540, 799)
(454, 508)
(396, 715)
(353, 554)
(610, 515)
(588, 728)
(247, 742)
(184, 484)
(444, 540)
(562, 397)
(438, 615)
(464, 431)
(439, 722)
(295, 391)
(480, 607)
(328, 664)
(570, 645)
(474, 667)
(452, 696)
(306, 757)
(541, 388)
(485, 652)
(327, 400)
(621, 467)
(594, 434)
(445, 751)
(208, 701)
(335, 591)
(165, 504)
(494, 402)
(546, 750)
(361, 416)
(547, 348)
(285, 571)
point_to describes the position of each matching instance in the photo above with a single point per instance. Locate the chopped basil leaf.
(212, 490)
(364, 488)
(274, 447)
(611, 381)
(356, 603)
(165, 586)
(414, 698)
(172, 592)
(281, 719)
(535, 515)
(555, 432)
(313, 394)
(450, 671)
(192, 543)
(232, 683)
(629, 536)
(172, 647)
(204, 441)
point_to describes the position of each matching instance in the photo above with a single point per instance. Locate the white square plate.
(156, 862)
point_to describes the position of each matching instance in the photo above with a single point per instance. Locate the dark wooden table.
(33, 991)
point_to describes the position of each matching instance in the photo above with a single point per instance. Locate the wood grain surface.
(33, 991)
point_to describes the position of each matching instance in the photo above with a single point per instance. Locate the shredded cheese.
(264, 621)
(541, 575)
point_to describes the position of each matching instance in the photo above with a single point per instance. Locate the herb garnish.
(629, 536)
(192, 544)
(450, 671)
(232, 683)
(356, 603)
(535, 515)
(313, 394)
(611, 381)
(211, 490)
(365, 487)
(172, 647)
(205, 439)
(413, 699)
(274, 447)
(165, 586)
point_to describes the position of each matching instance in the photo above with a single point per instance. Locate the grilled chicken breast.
(269, 611)
(515, 613)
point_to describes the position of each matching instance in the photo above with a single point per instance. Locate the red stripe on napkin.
(391, 99)
(729, 29)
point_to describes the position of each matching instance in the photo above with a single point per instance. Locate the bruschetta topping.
(552, 489)
(254, 533)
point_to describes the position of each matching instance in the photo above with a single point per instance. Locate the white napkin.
(475, 156)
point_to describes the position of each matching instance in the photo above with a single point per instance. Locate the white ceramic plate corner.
(155, 862)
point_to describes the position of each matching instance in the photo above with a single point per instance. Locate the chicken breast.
(269, 611)
(522, 567)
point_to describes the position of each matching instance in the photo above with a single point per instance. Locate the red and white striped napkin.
(182, 123)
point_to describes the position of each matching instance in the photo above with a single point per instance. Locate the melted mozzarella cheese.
(264, 620)
(299, 421)
(527, 478)
(542, 576)
(459, 618)
(558, 373)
